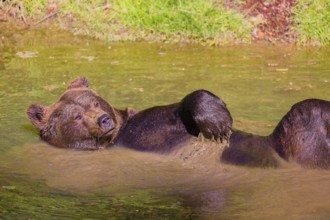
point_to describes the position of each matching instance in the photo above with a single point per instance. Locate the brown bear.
(303, 136)
(81, 119)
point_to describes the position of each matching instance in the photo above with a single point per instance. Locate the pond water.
(259, 83)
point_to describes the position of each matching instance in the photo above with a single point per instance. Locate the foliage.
(170, 20)
(90, 17)
(199, 19)
(312, 20)
(203, 21)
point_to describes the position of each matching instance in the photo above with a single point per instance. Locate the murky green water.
(259, 83)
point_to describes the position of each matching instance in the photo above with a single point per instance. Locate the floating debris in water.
(51, 87)
(27, 54)
(292, 87)
(89, 58)
(282, 69)
(9, 187)
(115, 62)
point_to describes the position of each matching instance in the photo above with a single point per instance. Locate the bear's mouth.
(107, 132)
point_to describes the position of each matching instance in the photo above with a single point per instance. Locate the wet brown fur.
(302, 136)
(81, 119)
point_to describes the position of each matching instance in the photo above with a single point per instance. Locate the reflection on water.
(283, 194)
(259, 83)
(118, 169)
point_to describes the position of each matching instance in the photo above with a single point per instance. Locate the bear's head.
(80, 119)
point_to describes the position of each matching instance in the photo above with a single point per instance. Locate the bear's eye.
(78, 117)
(96, 104)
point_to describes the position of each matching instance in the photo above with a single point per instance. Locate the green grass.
(90, 18)
(312, 18)
(201, 20)
(171, 20)
(30, 8)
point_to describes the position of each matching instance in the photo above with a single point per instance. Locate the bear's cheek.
(72, 132)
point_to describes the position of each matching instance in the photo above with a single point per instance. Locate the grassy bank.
(202, 21)
(312, 19)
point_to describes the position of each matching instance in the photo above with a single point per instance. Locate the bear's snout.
(104, 121)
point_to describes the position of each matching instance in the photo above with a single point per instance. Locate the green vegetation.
(197, 19)
(32, 8)
(312, 18)
(201, 21)
(209, 22)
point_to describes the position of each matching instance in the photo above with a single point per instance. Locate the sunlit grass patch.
(210, 22)
(197, 19)
(312, 18)
(29, 8)
(202, 21)
(88, 17)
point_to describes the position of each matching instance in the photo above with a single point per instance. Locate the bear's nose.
(104, 121)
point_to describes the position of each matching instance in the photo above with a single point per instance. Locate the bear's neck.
(122, 117)
(243, 138)
(251, 150)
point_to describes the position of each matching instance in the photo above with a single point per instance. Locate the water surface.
(259, 83)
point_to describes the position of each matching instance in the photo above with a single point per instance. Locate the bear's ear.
(131, 112)
(80, 82)
(36, 115)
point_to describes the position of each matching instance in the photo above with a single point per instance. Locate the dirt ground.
(276, 16)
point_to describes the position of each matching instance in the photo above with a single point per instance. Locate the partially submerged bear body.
(81, 119)
(303, 136)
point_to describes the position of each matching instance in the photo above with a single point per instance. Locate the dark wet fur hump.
(158, 129)
(304, 133)
(249, 150)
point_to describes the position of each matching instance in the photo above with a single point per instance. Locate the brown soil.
(276, 16)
